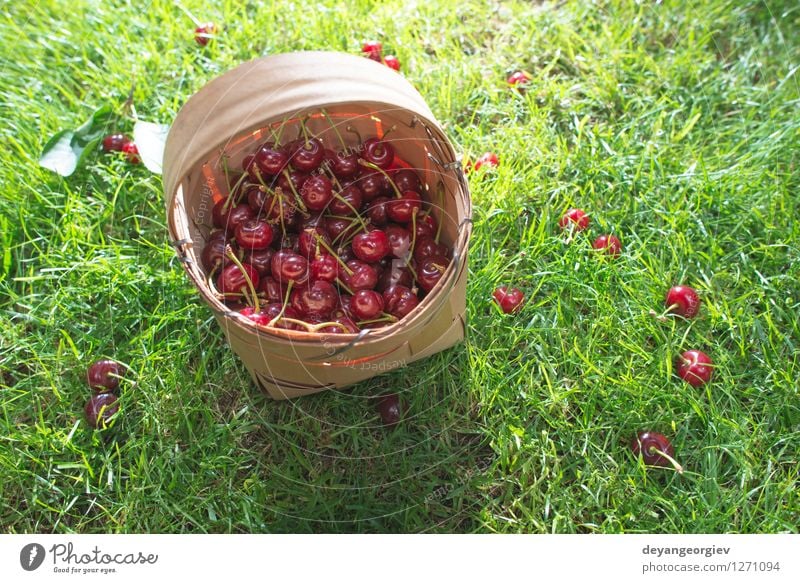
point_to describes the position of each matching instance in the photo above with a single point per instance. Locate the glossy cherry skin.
(308, 155)
(347, 202)
(103, 375)
(372, 246)
(100, 408)
(273, 310)
(230, 217)
(214, 253)
(426, 247)
(318, 299)
(204, 32)
(425, 225)
(509, 300)
(271, 290)
(362, 276)
(324, 267)
(396, 273)
(289, 266)
(271, 160)
(259, 318)
(372, 184)
(575, 219)
(131, 153)
(487, 160)
(372, 46)
(608, 243)
(392, 62)
(254, 234)
(115, 142)
(231, 279)
(290, 180)
(390, 410)
(366, 304)
(339, 228)
(402, 209)
(683, 300)
(317, 192)
(519, 78)
(376, 211)
(430, 270)
(648, 444)
(309, 242)
(406, 179)
(378, 152)
(342, 164)
(349, 324)
(260, 260)
(278, 208)
(399, 241)
(399, 301)
(695, 367)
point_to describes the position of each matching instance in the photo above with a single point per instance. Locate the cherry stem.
(340, 198)
(660, 318)
(336, 131)
(353, 130)
(387, 132)
(250, 286)
(294, 192)
(385, 318)
(382, 171)
(315, 327)
(343, 286)
(678, 467)
(210, 278)
(413, 230)
(329, 249)
(285, 303)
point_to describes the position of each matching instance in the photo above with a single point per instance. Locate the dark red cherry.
(366, 304)
(392, 62)
(339, 227)
(683, 300)
(231, 279)
(402, 209)
(317, 192)
(290, 242)
(318, 299)
(344, 306)
(399, 241)
(347, 202)
(295, 179)
(259, 318)
(575, 219)
(341, 164)
(372, 184)
(214, 253)
(254, 234)
(309, 242)
(258, 197)
(100, 408)
(426, 225)
(289, 266)
(103, 375)
(131, 152)
(350, 325)
(204, 33)
(372, 246)
(372, 46)
(406, 179)
(430, 271)
(379, 152)
(324, 267)
(608, 243)
(115, 142)
(271, 160)
(376, 211)
(271, 289)
(363, 276)
(651, 446)
(308, 155)
(273, 310)
(695, 367)
(396, 273)
(426, 247)
(399, 301)
(390, 410)
(509, 300)
(228, 219)
(260, 259)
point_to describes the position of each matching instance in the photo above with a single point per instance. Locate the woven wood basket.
(330, 92)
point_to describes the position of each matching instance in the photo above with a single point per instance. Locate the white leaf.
(60, 157)
(150, 139)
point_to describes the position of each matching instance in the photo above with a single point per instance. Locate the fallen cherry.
(510, 301)
(608, 243)
(519, 79)
(682, 300)
(655, 449)
(575, 219)
(390, 410)
(103, 375)
(489, 160)
(204, 33)
(131, 152)
(695, 367)
(392, 62)
(115, 142)
(100, 408)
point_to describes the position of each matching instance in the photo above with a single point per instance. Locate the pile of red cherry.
(373, 49)
(103, 377)
(317, 240)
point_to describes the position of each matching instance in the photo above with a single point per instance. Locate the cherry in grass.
(115, 142)
(204, 33)
(100, 408)
(695, 367)
(103, 375)
(390, 410)
(655, 449)
(509, 300)
(575, 219)
(608, 243)
(683, 301)
(131, 152)
(392, 62)
(487, 160)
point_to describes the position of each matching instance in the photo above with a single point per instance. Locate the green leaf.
(68, 149)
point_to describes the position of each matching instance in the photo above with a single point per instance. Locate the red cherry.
(103, 375)
(317, 192)
(259, 318)
(372, 184)
(366, 304)
(509, 300)
(608, 243)
(350, 325)
(402, 209)
(204, 33)
(695, 367)
(397, 273)
(371, 247)
(426, 247)
(273, 310)
(289, 266)
(254, 234)
(372, 46)
(651, 445)
(339, 227)
(131, 152)
(489, 160)
(519, 79)
(324, 267)
(399, 301)
(100, 408)
(378, 152)
(115, 142)
(309, 242)
(407, 179)
(575, 219)
(271, 289)
(318, 299)
(271, 160)
(341, 164)
(426, 226)
(231, 279)
(392, 62)
(399, 241)
(230, 218)
(390, 410)
(348, 202)
(308, 155)
(295, 179)
(261, 260)
(376, 211)
(683, 300)
(430, 270)
(213, 253)
(363, 276)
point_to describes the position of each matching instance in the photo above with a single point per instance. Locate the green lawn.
(675, 124)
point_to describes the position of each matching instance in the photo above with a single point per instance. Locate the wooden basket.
(234, 113)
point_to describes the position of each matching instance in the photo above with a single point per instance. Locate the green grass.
(674, 124)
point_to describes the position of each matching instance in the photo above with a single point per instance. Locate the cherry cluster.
(318, 240)
(103, 377)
